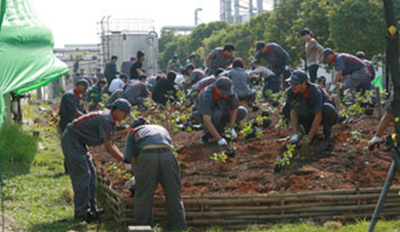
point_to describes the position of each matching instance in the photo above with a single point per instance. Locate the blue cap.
(327, 51)
(123, 105)
(83, 82)
(297, 77)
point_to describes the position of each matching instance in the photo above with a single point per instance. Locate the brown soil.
(321, 166)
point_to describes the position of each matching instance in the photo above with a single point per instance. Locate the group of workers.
(220, 95)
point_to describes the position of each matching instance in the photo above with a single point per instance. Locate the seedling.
(219, 157)
(124, 174)
(284, 160)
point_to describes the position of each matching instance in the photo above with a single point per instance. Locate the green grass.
(18, 148)
(361, 226)
(40, 199)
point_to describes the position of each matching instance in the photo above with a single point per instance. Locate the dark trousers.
(281, 75)
(81, 170)
(271, 83)
(154, 168)
(250, 97)
(312, 71)
(329, 117)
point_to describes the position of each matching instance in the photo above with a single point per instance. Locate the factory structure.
(124, 37)
(240, 11)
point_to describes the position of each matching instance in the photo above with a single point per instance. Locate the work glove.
(375, 140)
(234, 134)
(130, 184)
(332, 88)
(222, 142)
(128, 166)
(294, 139)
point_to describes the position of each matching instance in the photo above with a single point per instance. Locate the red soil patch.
(251, 171)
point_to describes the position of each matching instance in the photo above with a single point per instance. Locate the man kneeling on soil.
(90, 130)
(308, 105)
(215, 107)
(149, 149)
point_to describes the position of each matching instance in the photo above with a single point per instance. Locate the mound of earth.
(339, 164)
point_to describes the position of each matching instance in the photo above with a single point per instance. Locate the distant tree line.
(343, 25)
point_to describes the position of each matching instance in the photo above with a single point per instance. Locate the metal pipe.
(237, 11)
(229, 11)
(250, 8)
(108, 40)
(222, 10)
(382, 197)
(196, 17)
(260, 6)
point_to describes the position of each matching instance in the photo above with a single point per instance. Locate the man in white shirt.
(117, 83)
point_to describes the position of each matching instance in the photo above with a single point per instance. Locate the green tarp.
(27, 61)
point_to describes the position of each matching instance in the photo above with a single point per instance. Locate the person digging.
(308, 105)
(149, 154)
(91, 129)
(216, 107)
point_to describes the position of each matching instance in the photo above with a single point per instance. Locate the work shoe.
(88, 217)
(97, 212)
(328, 133)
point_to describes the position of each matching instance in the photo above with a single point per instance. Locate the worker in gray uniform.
(92, 129)
(216, 107)
(137, 91)
(72, 105)
(149, 150)
(220, 58)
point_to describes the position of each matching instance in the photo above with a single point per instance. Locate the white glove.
(332, 88)
(287, 67)
(234, 134)
(130, 183)
(128, 166)
(375, 140)
(294, 139)
(222, 142)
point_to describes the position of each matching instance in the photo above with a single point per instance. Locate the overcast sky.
(74, 21)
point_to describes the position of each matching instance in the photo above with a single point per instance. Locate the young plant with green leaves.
(219, 157)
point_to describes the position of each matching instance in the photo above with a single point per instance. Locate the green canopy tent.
(27, 61)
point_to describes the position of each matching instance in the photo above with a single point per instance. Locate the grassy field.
(39, 196)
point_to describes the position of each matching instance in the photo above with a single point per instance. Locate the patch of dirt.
(321, 166)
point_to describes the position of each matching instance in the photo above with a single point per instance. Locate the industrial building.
(240, 11)
(124, 37)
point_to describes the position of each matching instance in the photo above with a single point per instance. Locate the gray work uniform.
(199, 86)
(196, 76)
(218, 59)
(356, 69)
(155, 166)
(71, 102)
(241, 84)
(114, 96)
(88, 130)
(136, 93)
(314, 100)
(208, 103)
(110, 71)
(277, 58)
